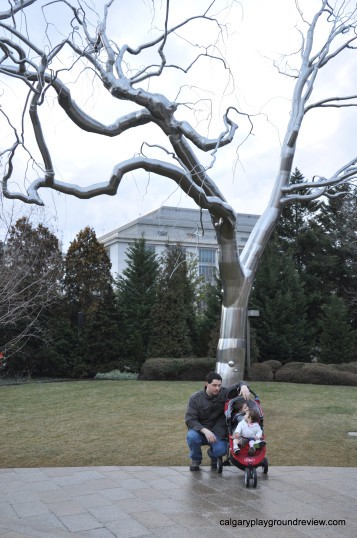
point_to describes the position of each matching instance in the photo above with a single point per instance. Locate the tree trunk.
(231, 349)
(236, 285)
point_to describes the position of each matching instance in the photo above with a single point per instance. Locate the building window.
(207, 255)
(207, 263)
(207, 271)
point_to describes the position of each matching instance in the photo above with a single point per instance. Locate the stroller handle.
(230, 394)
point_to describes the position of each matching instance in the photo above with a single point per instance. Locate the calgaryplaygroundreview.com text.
(231, 522)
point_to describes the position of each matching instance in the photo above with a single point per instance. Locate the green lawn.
(142, 423)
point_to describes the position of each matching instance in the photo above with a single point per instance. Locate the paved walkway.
(107, 502)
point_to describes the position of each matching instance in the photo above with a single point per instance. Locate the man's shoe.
(236, 450)
(195, 466)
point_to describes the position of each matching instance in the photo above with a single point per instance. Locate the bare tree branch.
(29, 280)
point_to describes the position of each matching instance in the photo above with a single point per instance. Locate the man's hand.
(210, 436)
(244, 391)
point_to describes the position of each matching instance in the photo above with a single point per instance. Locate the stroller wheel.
(254, 477)
(219, 464)
(265, 465)
(247, 477)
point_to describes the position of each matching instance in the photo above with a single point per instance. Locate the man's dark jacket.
(208, 411)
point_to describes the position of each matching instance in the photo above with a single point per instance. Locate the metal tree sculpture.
(46, 68)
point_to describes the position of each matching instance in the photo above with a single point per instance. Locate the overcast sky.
(257, 32)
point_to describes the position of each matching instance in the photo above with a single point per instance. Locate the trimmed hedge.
(264, 371)
(317, 373)
(260, 371)
(169, 369)
(302, 372)
(191, 369)
(346, 367)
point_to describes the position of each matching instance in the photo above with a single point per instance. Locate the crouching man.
(206, 421)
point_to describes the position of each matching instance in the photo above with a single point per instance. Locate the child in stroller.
(248, 431)
(235, 411)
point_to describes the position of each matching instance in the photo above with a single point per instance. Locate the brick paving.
(107, 502)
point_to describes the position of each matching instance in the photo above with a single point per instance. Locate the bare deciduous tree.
(45, 63)
(30, 267)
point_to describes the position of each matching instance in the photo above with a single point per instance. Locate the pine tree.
(338, 219)
(173, 320)
(294, 223)
(60, 354)
(136, 292)
(331, 264)
(89, 292)
(282, 331)
(299, 232)
(321, 238)
(337, 341)
(209, 319)
(99, 337)
(87, 272)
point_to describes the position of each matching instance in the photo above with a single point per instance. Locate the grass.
(142, 423)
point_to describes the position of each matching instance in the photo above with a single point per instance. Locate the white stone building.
(191, 227)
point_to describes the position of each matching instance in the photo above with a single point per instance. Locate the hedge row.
(300, 372)
(177, 369)
(190, 369)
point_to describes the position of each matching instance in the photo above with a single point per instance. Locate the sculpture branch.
(41, 141)
(22, 38)
(182, 179)
(205, 144)
(345, 175)
(336, 102)
(15, 9)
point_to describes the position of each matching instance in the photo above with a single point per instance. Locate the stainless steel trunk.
(231, 350)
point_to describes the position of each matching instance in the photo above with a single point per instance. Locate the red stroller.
(242, 460)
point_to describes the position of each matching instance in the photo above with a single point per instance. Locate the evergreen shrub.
(261, 371)
(274, 365)
(169, 369)
(346, 367)
(264, 371)
(79, 369)
(315, 373)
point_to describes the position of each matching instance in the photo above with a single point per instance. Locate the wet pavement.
(107, 502)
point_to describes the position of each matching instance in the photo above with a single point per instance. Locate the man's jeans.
(196, 439)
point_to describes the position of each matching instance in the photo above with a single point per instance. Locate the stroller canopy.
(239, 399)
